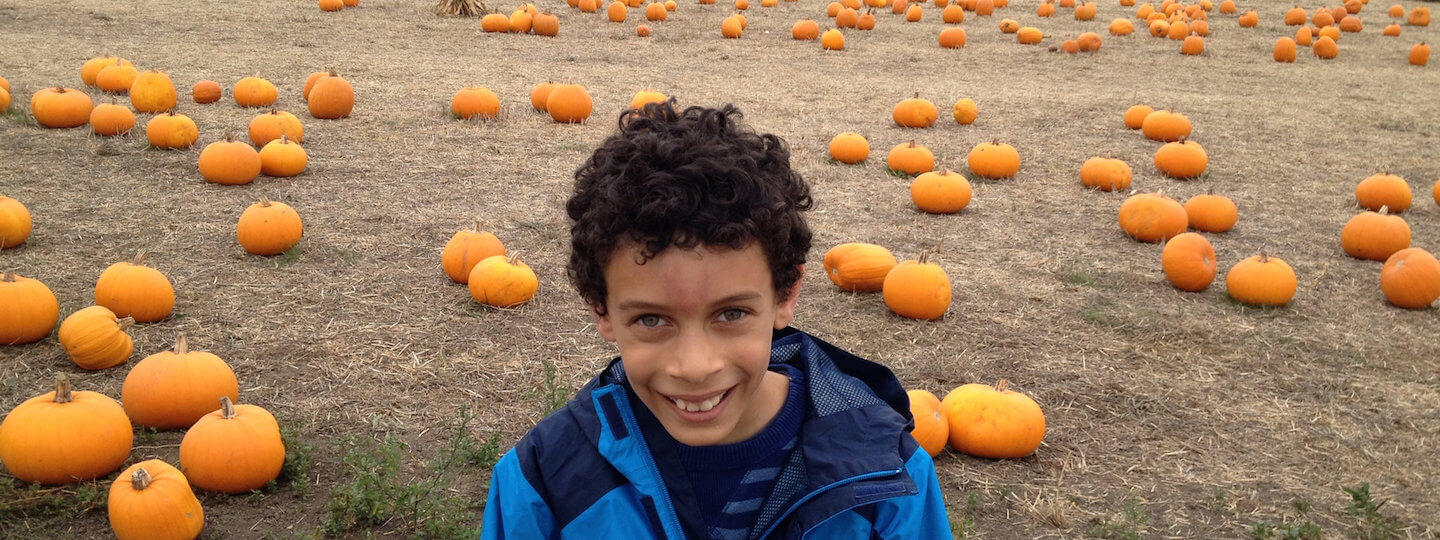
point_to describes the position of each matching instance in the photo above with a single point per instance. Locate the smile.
(701, 405)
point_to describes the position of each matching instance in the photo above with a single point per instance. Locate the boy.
(717, 420)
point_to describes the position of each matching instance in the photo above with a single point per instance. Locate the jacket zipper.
(781, 517)
(634, 427)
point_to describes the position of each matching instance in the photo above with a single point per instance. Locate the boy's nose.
(696, 358)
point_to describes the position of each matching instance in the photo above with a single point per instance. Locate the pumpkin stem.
(265, 201)
(62, 389)
(1384, 209)
(139, 259)
(1002, 385)
(181, 345)
(227, 408)
(513, 259)
(1264, 258)
(478, 225)
(124, 323)
(9, 277)
(141, 479)
(917, 95)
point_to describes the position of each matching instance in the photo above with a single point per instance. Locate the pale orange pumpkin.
(993, 421)
(1211, 213)
(65, 436)
(1165, 126)
(940, 192)
(1374, 235)
(95, 338)
(994, 160)
(254, 92)
(172, 389)
(1105, 174)
(109, 119)
(466, 249)
(229, 162)
(1189, 262)
(153, 92)
(1183, 159)
(152, 500)
(1383, 189)
(1152, 217)
(917, 289)
(849, 148)
(269, 227)
(171, 130)
(910, 158)
(1135, 116)
(283, 158)
(234, 449)
(1261, 280)
(965, 111)
(332, 96)
(568, 103)
(28, 310)
(858, 266)
(131, 289)
(15, 222)
(268, 126)
(502, 282)
(914, 112)
(1411, 279)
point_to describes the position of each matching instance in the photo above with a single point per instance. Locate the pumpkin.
(1420, 16)
(913, 13)
(984, 8)
(731, 27)
(61, 107)
(1165, 126)
(1227, 7)
(539, 94)
(1211, 213)
(269, 227)
(1136, 114)
(644, 97)
(206, 92)
(520, 20)
(234, 449)
(109, 119)
(1249, 19)
(65, 436)
(310, 81)
(229, 162)
(172, 389)
(152, 500)
(616, 11)
(897, 7)
(1189, 262)
(866, 21)
(1374, 235)
(1411, 279)
(1159, 28)
(1396, 11)
(656, 11)
(15, 222)
(1178, 30)
(931, 429)
(1152, 217)
(1085, 12)
(152, 92)
(1325, 48)
(1351, 23)
(27, 308)
(283, 158)
(1284, 50)
(131, 289)
(332, 96)
(1029, 35)
(1088, 42)
(268, 126)
(1200, 28)
(940, 192)
(805, 30)
(1331, 32)
(1434, 192)
(832, 40)
(116, 78)
(496, 22)
(1296, 16)
(331, 5)
(994, 160)
(993, 421)
(502, 282)
(1391, 30)
(965, 111)
(917, 289)
(1183, 159)
(858, 267)
(473, 101)
(4, 100)
(91, 69)
(1121, 27)
(545, 24)
(1046, 9)
(1419, 54)
(1383, 190)
(952, 38)
(254, 92)
(954, 14)
(1261, 280)
(1192, 46)
(95, 338)
(910, 158)
(849, 148)
(466, 249)
(171, 130)
(833, 9)
(569, 103)
(914, 112)
(1105, 174)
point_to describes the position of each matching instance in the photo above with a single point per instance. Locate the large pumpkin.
(1152, 217)
(1261, 280)
(131, 289)
(151, 500)
(1105, 174)
(1411, 279)
(28, 310)
(172, 389)
(236, 448)
(15, 222)
(268, 126)
(1374, 235)
(473, 101)
(467, 248)
(109, 119)
(993, 421)
(1189, 262)
(1211, 213)
(915, 112)
(96, 339)
(568, 103)
(171, 130)
(849, 148)
(910, 158)
(502, 282)
(1183, 159)
(283, 158)
(994, 160)
(254, 92)
(269, 227)
(940, 192)
(229, 162)
(917, 289)
(332, 96)
(1383, 189)
(65, 436)
(153, 92)
(61, 107)
(859, 267)
(1165, 126)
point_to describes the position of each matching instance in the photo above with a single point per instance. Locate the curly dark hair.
(686, 179)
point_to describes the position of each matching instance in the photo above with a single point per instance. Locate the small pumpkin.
(616, 11)
(152, 500)
(1135, 116)
(1088, 42)
(917, 289)
(849, 148)
(268, 126)
(171, 130)
(1152, 217)
(952, 38)
(1284, 50)
(466, 249)
(914, 112)
(569, 103)
(940, 192)
(931, 429)
(910, 158)
(330, 5)
(131, 289)
(1383, 190)
(655, 11)
(206, 91)
(1183, 159)
(109, 119)
(283, 158)
(1249, 20)
(965, 111)
(1351, 23)
(1105, 174)
(858, 267)
(520, 20)
(1086, 11)
(91, 69)
(15, 222)
(229, 162)
(1121, 27)
(173, 389)
(955, 14)
(1325, 48)
(732, 27)
(4, 100)
(1189, 262)
(1046, 9)
(95, 338)
(545, 24)
(805, 30)
(27, 308)
(332, 96)
(153, 92)
(496, 22)
(1396, 11)
(832, 40)
(1029, 35)
(993, 421)
(116, 78)
(1374, 235)
(1211, 213)
(1165, 126)
(1419, 54)
(1304, 37)
(1261, 280)
(1192, 46)
(1411, 279)
(1391, 30)
(269, 227)
(1296, 16)
(61, 107)
(502, 282)
(642, 30)
(1419, 16)
(994, 160)
(539, 94)
(235, 449)
(65, 436)
(254, 92)
(644, 97)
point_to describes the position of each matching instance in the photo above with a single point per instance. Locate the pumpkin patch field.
(1191, 243)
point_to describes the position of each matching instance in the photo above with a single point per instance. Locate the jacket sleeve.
(514, 510)
(919, 516)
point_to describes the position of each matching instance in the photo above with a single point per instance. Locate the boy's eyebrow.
(629, 305)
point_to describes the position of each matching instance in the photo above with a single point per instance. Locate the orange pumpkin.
(152, 500)
(1411, 279)
(1189, 262)
(95, 338)
(645, 97)
(940, 192)
(1152, 217)
(1165, 126)
(502, 282)
(568, 103)
(953, 38)
(283, 158)
(466, 249)
(206, 92)
(1121, 27)
(858, 267)
(171, 130)
(172, 389)
(1183, 159)
(61, 107)
(234, 449)
(1374, 235)
(91, 69)
(1135, 116)
(993, 421)
(832, 40)
(1211, 213)
(1383, 189)
(914, 112)
(1325, 48)
(1261, 280)
(994, 160)
(332, 96)
(805, 30)
(15, 222)
(917, 289)
(910, 158)
(27, 308)
(931, 429)
(539, 94)
(116, 78)
(229, 162)
(1029, 35)
(1105, 174)
(254, 92)
(109, 119)
(1419, 54)
(65, 436)
(131, 289)
(266, 127)
(269, 227)
(153, 92)
(965, 111)
(849, 148)
(545, 24)
(1284, 50)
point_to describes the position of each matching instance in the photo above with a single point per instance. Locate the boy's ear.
(785, 309)
(602, 323)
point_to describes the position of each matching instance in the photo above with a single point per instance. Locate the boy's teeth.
(698, 407)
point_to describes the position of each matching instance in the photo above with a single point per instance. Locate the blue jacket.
(596, 470)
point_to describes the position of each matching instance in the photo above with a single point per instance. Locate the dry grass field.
(1170, 414)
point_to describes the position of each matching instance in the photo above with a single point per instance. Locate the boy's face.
(693, 328)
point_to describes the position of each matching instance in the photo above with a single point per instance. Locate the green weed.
(1129, 526)
(552, 393)
(36, 507)
(298, 462)
(1373, 525)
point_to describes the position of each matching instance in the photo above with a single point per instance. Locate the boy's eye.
(649, 321)
(732, 315)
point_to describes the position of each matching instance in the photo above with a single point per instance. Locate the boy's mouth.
(694, 405)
